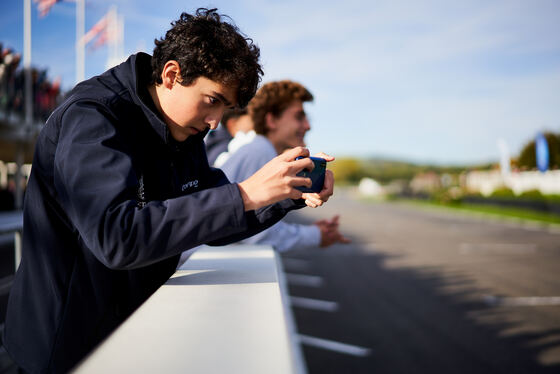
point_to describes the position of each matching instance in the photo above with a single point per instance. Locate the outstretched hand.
(329, 232)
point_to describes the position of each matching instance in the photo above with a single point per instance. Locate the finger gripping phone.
(317, 175)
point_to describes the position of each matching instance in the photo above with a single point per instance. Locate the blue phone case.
(317, 175)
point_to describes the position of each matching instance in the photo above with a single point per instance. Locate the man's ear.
(171, 74)
(270, 121)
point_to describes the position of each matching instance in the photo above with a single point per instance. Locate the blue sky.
(425, 81)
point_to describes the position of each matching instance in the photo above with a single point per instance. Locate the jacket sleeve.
(96, 186)
(260, 219)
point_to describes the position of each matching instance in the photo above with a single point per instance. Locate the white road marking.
(296, 264)
(504, 248)
(331, 345)
(314, 304)
(304, 280)
(522, 301)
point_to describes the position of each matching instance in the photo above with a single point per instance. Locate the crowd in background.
(46, 94)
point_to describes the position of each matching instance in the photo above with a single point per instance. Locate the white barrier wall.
(226, 313)
(548, 182)
(487, 182)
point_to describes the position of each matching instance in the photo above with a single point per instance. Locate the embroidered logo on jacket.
(191, 184)
(141, 193)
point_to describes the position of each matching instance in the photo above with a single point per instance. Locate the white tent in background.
(370, 187)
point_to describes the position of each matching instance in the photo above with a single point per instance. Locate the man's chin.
(290, 145)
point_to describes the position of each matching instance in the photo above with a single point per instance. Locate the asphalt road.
(428, 291)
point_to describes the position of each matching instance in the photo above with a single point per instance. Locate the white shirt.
(241, 138)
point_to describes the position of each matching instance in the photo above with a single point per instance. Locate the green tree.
(528, 159)
(346, 169)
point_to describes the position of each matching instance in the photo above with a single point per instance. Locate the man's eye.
(212, 100)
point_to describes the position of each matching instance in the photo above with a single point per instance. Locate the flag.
(102, 39)
(542, 155)
(99, 28)
(44, 6)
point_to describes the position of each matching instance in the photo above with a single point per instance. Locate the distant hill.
(386, 170)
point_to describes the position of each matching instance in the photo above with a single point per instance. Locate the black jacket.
(111, 203)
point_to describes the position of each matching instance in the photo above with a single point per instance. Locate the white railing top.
(227, 312)
(11, 221)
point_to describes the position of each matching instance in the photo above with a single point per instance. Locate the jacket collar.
(138, 75)
(140, 65)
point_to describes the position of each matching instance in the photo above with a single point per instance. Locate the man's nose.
(213, 120)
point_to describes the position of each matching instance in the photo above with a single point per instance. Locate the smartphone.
(317, 175)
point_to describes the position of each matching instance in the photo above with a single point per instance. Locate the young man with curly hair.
(281, 123)
(121, 186)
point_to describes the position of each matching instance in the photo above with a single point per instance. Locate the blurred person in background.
(121, 185)
(45, 94)
(280, 122)
(217, 140)
(240, 128)
(9, 80)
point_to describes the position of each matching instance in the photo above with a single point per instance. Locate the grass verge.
(506, 212)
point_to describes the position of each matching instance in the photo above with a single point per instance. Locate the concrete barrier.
(12, 223)
(227, 312)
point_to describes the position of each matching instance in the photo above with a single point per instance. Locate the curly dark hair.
(205, 45)
(274, 98)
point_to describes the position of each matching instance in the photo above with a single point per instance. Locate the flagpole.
(120, 50)
(28, 103)
(80, 47)
(112, 29)
(27, 59)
